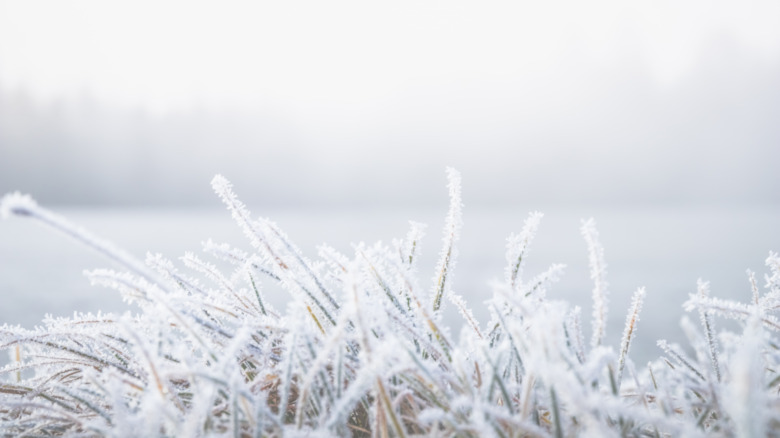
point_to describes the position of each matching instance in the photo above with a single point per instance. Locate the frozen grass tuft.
(361, 349)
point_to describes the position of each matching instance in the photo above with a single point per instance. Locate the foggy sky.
(587, 128)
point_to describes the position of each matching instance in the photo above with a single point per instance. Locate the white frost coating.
(18, 204)
(747, 400)
(729, 309)
(574, 329)
(517, 247)
(24, 205)
(132, 288)
(410, 246)
(706, 322)
(225, 252)
(628, 332)
(598, 273)
(773, 262)
(537, 287)
(754, 287)
(224, 189)
(679, 356)
(293, 271)
(466, 313)
(449, 253)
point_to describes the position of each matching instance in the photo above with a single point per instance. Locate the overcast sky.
(365, 102)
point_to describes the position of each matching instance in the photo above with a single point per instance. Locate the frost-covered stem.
(628, 333)
(412, 242)
(91, 406)
(556, 413)
(773, 262)
(286, 380)
(452, 228)
(292, 249)
(211, 271)
(424, 341)
(257, 294)
(18, 359)
(668, 349)
(730, 309)
(437, 333)
(162, 388)
(517, 247)
(511, 337)
(224, 189)
(25, 206)
(598, 273)
(528, 390)
(753, 287)
(460, 303)
(383, 284)
(399, 430)
(538, 285)
(498, 381)
(748, 397)
(95, 360)
(704, 292)
(355, 310)
(574, 329)
(321, 360)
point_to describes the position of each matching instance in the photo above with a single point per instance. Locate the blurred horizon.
(350, 104)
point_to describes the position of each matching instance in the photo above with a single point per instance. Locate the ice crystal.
(16, 204)
(628, 333)
(598, 273)
(449, 253)
(517, 248)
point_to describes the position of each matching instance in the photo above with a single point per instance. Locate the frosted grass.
(361, 348)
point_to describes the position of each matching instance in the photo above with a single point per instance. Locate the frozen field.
(665, 250)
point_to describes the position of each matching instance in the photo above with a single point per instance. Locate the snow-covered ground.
(664, 249)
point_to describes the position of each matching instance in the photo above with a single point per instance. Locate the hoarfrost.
(361, 349)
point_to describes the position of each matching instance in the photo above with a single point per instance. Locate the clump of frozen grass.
(361, 350)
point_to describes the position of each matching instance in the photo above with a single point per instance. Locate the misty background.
(346, 103)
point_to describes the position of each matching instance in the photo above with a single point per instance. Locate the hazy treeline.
(590, 136)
